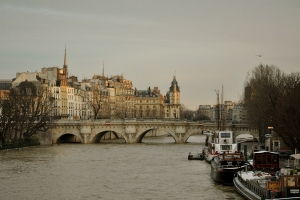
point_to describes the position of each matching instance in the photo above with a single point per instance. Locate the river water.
(155, 169)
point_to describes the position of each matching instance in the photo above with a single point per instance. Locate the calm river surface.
(154, 169)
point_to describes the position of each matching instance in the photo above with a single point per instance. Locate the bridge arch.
(98, 137)
(141, 134)
(68, 138)
(99, 132)
(190, 132)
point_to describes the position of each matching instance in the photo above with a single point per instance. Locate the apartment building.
(149, 104)
(102, 97)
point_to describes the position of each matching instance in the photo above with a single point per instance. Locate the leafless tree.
(270, 97)
(183, 110)
(186, 113)
(201, 117)
(96, 102)
(99, 102)
(287, 121)
(25, 112)
(7, 118)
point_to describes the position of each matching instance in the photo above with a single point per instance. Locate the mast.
(218, 111)
(222, 111)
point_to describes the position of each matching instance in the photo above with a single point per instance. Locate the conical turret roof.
(174, 85)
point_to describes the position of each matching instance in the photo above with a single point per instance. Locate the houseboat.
(262, 183)
(217, 143)
(225, 165)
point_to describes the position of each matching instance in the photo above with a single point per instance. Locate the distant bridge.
(131, 130)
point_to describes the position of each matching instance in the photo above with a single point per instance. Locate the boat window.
(268, 159)
(225, 135)
(226, 147)
(291, 181)
(275, 160)
(226, 156)
(237, 156)
(259, 159)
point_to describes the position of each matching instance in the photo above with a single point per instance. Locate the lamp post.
(269, 138)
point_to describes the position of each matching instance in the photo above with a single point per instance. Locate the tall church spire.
(65, 58)
(103, 69)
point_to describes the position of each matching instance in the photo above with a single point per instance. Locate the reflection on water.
(157, 168)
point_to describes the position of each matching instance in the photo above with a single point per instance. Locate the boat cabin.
(289, 186)
(266, 161)
(232, 156)
(224, 142)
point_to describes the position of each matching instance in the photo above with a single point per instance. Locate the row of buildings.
(100, 97)
(114, 97)
(228, 111)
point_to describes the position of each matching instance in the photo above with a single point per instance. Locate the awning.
(243, 137)
(296, 156)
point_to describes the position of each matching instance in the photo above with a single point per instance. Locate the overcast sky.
(206, 44)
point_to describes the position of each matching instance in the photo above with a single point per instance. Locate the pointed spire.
(103, 69)
(174, 85)
(65, 58)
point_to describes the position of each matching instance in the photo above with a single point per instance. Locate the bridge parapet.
(133, 130)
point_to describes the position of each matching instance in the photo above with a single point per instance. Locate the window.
(225, 135)
(275, 145)
(226, 147)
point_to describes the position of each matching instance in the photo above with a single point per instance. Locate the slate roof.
(174, 85)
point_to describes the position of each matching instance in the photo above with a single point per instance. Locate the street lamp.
(269, 136)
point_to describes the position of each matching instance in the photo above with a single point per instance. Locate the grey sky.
(205, 43)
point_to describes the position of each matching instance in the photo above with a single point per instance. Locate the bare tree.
(271, 99)
(186, 113)
(106, 108)
(99, 103)
(183, 110)
(95, 102)
(287, 121)
(201, 116)
(7, 118)
(25, 112)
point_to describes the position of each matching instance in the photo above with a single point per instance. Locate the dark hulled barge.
(224, 166)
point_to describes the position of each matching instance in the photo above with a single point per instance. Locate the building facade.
(149, 104)
(102, 97)
(172, 101)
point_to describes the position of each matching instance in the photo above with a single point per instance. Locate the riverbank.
(11, 146)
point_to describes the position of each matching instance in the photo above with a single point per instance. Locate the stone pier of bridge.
(132, 131)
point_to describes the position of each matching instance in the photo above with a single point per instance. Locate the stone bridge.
(131, 130)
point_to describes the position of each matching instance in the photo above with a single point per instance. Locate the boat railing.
(291, 164)
(254, 186)
(265, 166)
(229, 164)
